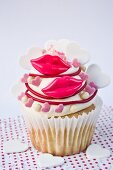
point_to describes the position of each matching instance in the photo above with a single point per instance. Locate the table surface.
(14, 128)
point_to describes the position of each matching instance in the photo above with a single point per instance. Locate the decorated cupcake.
(59, 98)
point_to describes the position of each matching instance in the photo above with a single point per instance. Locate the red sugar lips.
(63, 87)
(50, 65)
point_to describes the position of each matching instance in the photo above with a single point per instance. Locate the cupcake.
(59, 97)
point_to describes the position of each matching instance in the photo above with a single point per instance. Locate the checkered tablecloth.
(14, 128)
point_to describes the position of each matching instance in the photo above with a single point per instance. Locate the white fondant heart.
(73, 50)
(33, 52)
(97, 76)
(47, 160)
(49, 44)
(61, 45)
(17, 89)
(96, 151)
(14, 146)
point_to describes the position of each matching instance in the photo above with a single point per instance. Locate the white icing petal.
(71, 49)
(83, 56)
(61, 45)
(73, 109)
(32, 53)
(97, 76)
(18, 88)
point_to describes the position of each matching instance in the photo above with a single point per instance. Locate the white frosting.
(71, 70)
(68, 109)
(72, 50)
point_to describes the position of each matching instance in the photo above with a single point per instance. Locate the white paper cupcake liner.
(62, 136)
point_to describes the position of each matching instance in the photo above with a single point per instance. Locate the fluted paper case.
(61, 136)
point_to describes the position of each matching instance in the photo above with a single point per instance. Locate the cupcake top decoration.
(56, 84)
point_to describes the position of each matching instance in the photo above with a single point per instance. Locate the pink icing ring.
(64, 103)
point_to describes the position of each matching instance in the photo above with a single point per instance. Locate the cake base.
(57, 144)
(66, 135)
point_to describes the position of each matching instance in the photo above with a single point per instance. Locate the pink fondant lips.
(63, 87)
(50, 65)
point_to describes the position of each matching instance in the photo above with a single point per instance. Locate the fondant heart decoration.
(48, 161)
(63, 87)
(33, 52)
(50, 65)
(36, 81)
(97, 76)
(59, 108)
(16, 145)
(96, 151)
(76, 63)
(73, 50)
(83, 76)
(90, 89)
(22, 95)
(45, 107)
(29, 102)
(24, 78)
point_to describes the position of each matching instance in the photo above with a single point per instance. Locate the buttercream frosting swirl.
(54, 86)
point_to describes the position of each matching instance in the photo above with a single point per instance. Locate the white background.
(27, 23)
